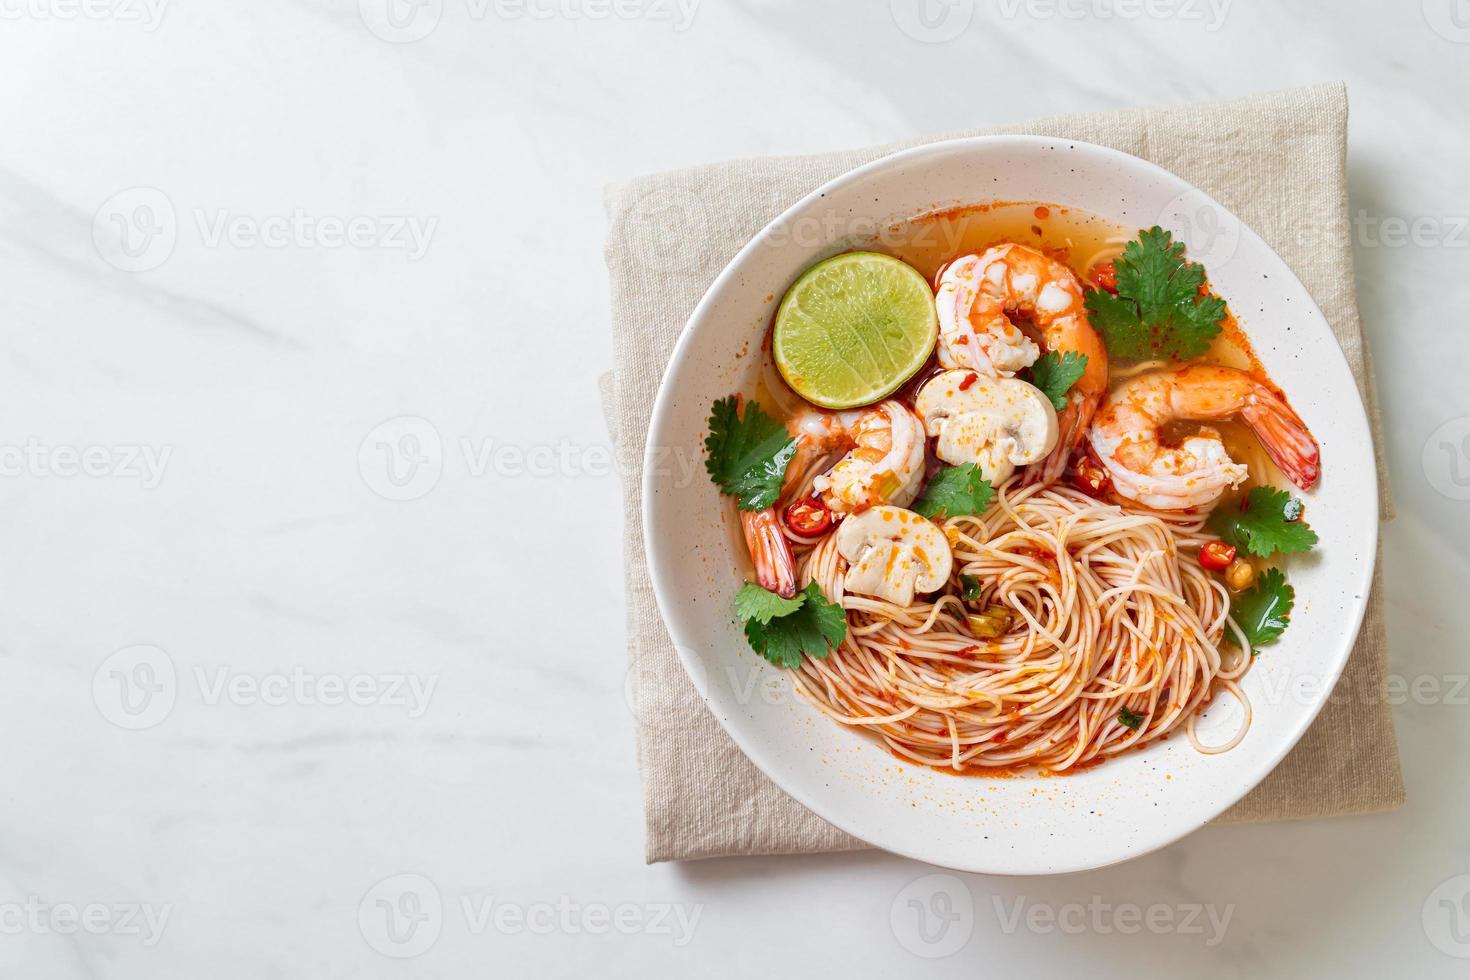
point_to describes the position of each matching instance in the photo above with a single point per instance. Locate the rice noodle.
(1109, 610)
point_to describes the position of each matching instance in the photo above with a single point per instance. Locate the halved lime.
(853, 329)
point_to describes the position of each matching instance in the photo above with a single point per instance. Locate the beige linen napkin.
(1278, 161)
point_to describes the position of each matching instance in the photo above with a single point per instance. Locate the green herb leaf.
(747, 456)
(763, 605)
(1158, 310)
(971, 584)
(1265, 610)
(1055, 374)
(954, 491)
(1269, 523)
(1129, 719)
(812, 629)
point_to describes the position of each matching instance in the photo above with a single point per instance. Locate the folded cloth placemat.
(1278, 161)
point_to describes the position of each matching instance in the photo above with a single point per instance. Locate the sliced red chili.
(808, 517)
(1089, 476)
(1105, 276)
(1216, 556)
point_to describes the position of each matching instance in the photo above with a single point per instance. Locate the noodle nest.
(1113, 641)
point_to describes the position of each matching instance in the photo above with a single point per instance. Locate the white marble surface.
(195, 493)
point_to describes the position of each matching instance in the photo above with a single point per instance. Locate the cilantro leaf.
(813, 628)
(1129, 719)
(1265, 610)
(971, 585)
(763, 605)
(1158, 310)
(1056, 373)
(1270, 522)
(955, 490)
(747, 456)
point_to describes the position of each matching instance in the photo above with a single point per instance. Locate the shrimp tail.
(1072, 423)
(1284, 436)
(775, 566)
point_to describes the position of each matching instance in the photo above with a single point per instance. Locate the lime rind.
(853, 328)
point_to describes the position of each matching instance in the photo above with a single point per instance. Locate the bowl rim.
(665, 585)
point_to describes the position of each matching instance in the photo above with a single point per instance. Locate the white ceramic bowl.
(1028, 825)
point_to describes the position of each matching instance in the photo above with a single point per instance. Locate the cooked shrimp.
(885, 459)
(883, 463)
(976, 296)
(775, 566)
(1126, 436)
(974, 331)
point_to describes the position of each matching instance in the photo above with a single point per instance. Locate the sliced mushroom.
(997, 423)
(893, 554)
